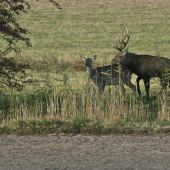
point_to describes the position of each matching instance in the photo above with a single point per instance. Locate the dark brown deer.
(144, 66)
(108, 75)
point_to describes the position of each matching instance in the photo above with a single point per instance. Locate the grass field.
(87, 28)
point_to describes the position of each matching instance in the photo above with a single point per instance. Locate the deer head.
(88, 61)
(121, 57)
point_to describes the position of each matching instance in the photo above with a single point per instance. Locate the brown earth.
(66, 151)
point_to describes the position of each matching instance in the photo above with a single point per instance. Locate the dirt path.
(85, 152)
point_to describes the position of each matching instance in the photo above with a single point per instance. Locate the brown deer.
(107, 75)
(144, 66)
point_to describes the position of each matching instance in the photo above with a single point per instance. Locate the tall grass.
(67, 104)
(87, 28)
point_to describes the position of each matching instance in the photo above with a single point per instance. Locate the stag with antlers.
(144, 66)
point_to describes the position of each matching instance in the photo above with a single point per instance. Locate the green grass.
(89, 28)
(81, 125)
(86, 28)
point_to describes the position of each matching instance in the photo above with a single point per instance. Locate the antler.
(122, 43)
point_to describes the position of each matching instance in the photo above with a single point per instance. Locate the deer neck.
(132, 61)
(89, 71)
(126, 61)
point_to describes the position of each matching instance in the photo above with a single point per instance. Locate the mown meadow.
(64, 99)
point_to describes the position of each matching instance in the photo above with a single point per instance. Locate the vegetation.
(64, 100)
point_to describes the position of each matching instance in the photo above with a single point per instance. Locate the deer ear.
(94, 57)
(83, 58)
(125, 52)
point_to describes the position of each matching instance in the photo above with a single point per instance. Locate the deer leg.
(132, 87)
(123, 89)
(99, 90)
(104, 84)
(164, 85)
(147, 86)
(128, 83)
(138, 88)
(120, 85)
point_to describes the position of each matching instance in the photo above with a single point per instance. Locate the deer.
(144, 66)
(108, 75)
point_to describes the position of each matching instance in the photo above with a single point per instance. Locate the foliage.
(13, 74)
(10, 29)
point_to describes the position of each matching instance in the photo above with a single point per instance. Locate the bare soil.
(61, 151)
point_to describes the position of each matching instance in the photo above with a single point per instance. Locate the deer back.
(143, 65)
(109, 74)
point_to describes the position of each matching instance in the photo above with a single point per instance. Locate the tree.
(13, 74)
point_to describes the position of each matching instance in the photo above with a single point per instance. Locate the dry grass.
(49, 112)
(88, 28)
